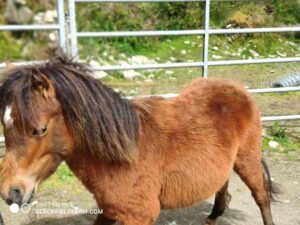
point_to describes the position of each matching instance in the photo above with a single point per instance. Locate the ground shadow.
(189, 216)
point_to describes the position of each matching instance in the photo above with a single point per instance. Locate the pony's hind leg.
(251, 172)
(222, 200)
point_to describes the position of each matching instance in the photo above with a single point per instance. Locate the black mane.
(101, 121)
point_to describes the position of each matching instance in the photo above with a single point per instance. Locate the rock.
(123, 63)
(169, 72)
(229, 26)
(291, 43)
(217, 57)
(140, 60)
(215, 48)
(273, 144)
(99, 74)
(94, 63)
(281, 54)
(148, 80)
(131, 74)
(53, 37)
(187, 42)
(111, 58)
(50, 16)
(183, 52)
(123, 56)
(254, 53)
(151, 76)
(133, 92)
(173, 223)
(172, 59)
(16, 12)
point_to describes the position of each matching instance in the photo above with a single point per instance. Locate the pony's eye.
(41, 131)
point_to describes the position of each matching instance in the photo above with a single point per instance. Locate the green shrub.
(277, 130)
(287, 11)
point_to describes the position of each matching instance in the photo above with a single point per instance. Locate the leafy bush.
(287, 12)
(278, 130)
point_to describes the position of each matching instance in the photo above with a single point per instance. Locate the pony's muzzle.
(15, 196)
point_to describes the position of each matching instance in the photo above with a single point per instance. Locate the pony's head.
(52, 111)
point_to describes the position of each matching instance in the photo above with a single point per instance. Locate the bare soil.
(242, 209)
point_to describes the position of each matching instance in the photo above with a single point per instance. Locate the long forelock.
(101, 121)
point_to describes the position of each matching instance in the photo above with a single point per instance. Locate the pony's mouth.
(20, 202)
(31, 197)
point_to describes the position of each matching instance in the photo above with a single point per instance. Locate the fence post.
(62, 24)
(73, 30)
(206, 39)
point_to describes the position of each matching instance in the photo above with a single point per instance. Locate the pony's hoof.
(210, 222)
(228, 199)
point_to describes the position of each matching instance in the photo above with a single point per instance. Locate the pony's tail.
(273, 188)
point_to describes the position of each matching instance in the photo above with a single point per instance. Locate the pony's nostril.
(16, 190)
(15, 195)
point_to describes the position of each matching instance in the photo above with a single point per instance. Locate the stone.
(169, 72)
(217, 57)
(254, 53)
(99, 74)
(50, 16)
(140, 60)
(16, 12)
(131, 74)
(273, 144)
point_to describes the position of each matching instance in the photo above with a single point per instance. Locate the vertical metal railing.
(206, 39)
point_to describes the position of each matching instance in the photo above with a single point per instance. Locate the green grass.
(286, 145)
(60, 178)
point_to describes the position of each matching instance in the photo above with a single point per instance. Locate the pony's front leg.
(103, 220)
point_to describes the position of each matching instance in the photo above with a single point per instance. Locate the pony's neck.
(85, 167)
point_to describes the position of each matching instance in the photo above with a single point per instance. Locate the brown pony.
(137, 157)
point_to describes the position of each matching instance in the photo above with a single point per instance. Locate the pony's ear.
(9, 66)
(43, 85)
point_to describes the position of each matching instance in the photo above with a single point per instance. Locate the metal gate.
(206, 32)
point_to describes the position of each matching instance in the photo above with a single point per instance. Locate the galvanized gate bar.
(140, 33)
(276, 118)
(3, 65)
(270, 90)
(29, 27)
(138, 1)
(184, 32)
(150, 66)
(254, 30)
(195, 64)
(157, 1)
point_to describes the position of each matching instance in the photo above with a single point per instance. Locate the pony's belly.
(181, 189)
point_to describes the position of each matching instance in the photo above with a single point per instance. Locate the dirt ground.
(242, 209)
